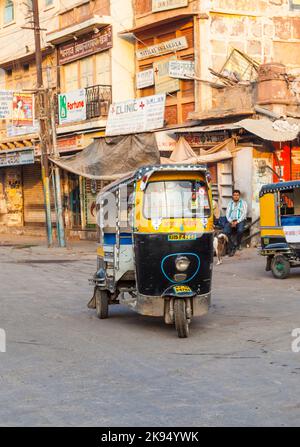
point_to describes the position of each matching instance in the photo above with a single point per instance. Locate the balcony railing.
(98, 100)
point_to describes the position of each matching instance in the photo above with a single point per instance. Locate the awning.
(171, 18)
(280, 130)
(61, 36)
(14, 143)
(209, 128)
(110, 158)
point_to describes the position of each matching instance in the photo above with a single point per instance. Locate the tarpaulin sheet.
(183, 153)
(111, 158)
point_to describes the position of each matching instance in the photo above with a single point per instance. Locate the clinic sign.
(72, 106)
(169, 46)
(137, 115)
(164, 5)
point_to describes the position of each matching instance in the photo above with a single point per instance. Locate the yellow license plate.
(182, 289)
(182, 237)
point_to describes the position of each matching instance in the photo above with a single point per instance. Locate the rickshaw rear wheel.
(181, 320)
(101, 304)
(280, 267)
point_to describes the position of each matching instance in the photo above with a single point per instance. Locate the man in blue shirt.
(236, 215)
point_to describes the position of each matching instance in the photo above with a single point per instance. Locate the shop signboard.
(182, 69)
(6, 100)
(72, 106)
(163, 82)
(17, 158)
(145, 78)
(161, 48)
(85, 46)
(164, 5)
(136, 115)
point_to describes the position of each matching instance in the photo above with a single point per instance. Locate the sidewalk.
(25, 245)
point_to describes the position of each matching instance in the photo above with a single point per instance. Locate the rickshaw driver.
(236, 215)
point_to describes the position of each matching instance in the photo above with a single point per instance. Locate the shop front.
(12, 205)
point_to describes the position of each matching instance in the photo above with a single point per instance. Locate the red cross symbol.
(142, 105)
(156, 71)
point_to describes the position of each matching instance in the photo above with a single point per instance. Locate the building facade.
(86, 66)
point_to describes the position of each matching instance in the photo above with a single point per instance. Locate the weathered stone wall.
(267, 30)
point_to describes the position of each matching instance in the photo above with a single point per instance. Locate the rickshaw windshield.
(176, 199)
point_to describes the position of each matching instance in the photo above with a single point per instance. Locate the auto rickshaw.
(280, 227)
(159, 263)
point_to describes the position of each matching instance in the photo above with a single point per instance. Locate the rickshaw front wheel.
(280, 267)
(101, 304)
(181, 320)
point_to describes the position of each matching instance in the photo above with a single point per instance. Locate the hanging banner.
(182, 69)
(22, 109)
(163, 82)
(85, 46)
(145, 78)
(169, 46)
(137, 115)
(164, 5)
(72, 106)
(6, 100)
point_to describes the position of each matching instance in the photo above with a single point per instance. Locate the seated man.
(236, 215)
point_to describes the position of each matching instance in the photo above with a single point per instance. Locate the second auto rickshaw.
(280, 226)
(156, 252)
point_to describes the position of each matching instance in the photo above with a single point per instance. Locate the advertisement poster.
(6, 100)
(72, 106)
(136, 115)
(22, 109)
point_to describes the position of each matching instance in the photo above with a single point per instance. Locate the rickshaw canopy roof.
(282, 186)
(149, 171)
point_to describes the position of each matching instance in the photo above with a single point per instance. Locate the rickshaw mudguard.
(179, 291)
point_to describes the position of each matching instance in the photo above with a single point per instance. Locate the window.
(176, 199)
(49, 2)
(290, 203)
(9, 11)
(294, 4)
(86, 72)
(70, 77)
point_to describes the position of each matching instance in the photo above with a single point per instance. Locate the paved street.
(64, 367)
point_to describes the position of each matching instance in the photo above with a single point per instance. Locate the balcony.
(98, 100)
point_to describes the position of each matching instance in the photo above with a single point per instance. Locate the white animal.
(220, 243)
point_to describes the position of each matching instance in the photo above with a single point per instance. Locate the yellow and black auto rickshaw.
(156, 248)
(280, 227)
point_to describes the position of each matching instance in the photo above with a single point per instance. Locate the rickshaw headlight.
(182, 263)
